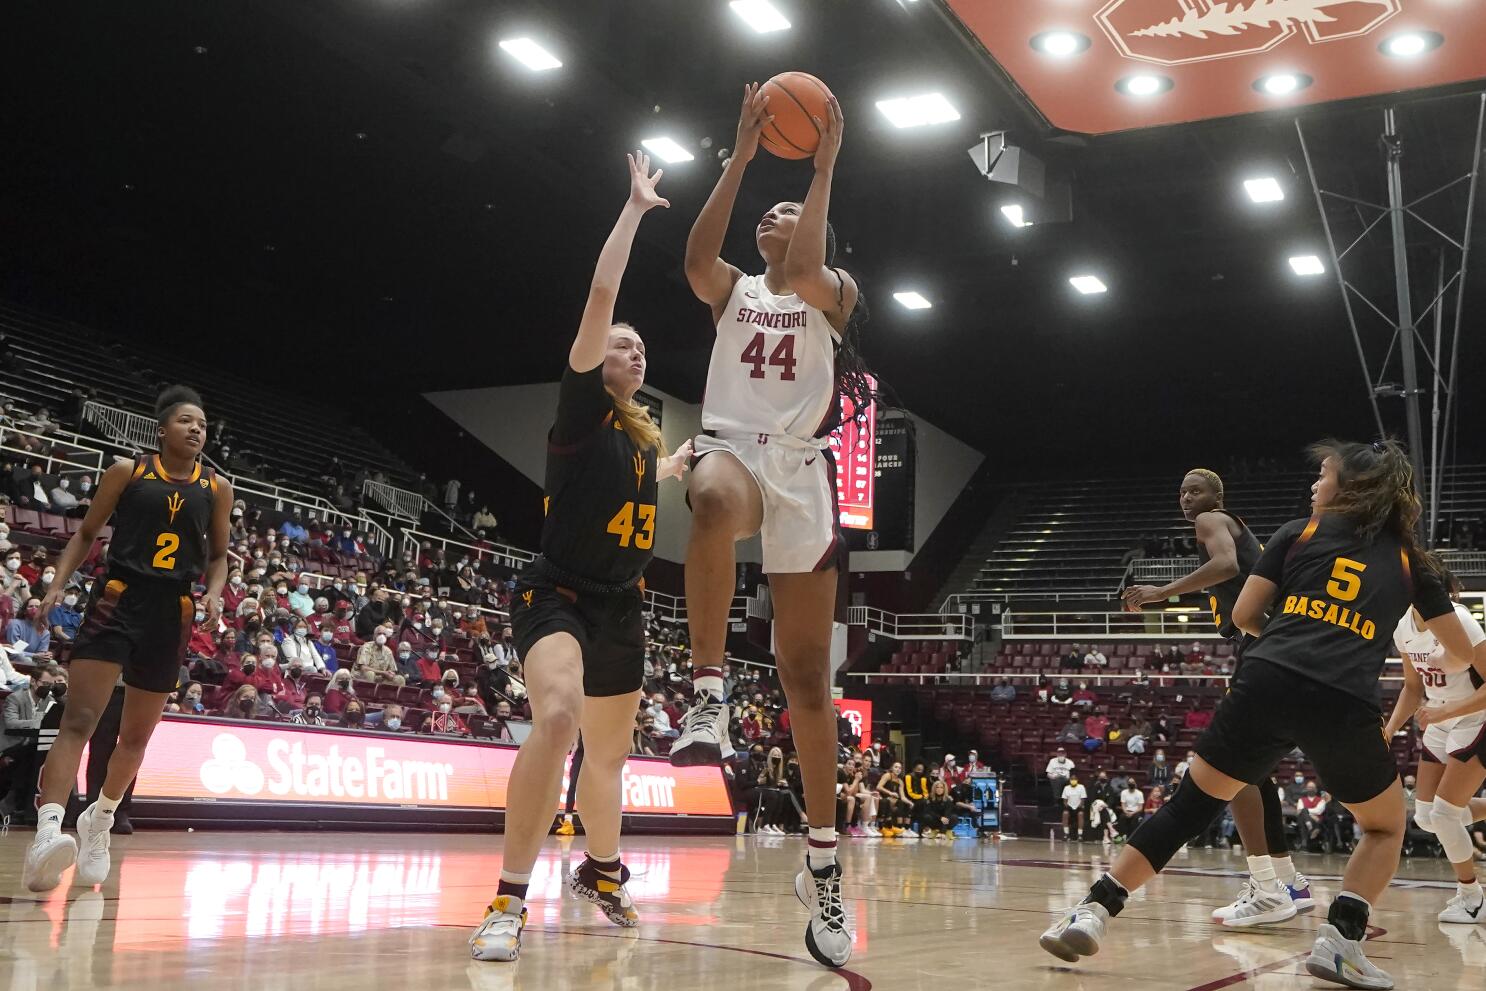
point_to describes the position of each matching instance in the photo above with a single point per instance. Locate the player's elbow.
(1248, 619)
(1227, 566)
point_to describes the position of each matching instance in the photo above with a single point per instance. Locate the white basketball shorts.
(798, 484)
(1459, 736)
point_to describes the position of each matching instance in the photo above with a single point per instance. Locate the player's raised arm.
(598, 314)
(1222, 564)
(830, 290)
(709, 276)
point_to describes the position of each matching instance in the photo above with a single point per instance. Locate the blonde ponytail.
(635, 419)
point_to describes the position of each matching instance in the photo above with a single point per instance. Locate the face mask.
(282, 590)
(12, 564)
(445, 707)
(433, 655)
(438, 693)
(194, 701)
(392, 723)
(304, 590)
(46, 578)
(381, 639)
(85, 485)
(70, 600)
(459, 615)
(346, 533)
(312, 710)
(237, 581)
(284, 543)
(63, 484)
(326, 636)
(300, 631)
(354, 718)
(295, 672)
(247, 705)
(200, 616)
(404, 655)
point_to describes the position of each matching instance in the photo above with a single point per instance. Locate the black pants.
(101, 747)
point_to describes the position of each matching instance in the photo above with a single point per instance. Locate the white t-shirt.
(1074, 795)
(1059, 767)
(1132, 800)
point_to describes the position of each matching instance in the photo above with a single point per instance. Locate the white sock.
(821, 847)
(1470, 892)
(1284, 869)
(707, 684)
(105, 805)
(1261, 869)
(49, 816)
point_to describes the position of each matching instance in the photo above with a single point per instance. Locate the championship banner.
(194, 759)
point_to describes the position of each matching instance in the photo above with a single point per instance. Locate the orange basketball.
(795, 100)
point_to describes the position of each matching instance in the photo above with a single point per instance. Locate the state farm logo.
(1173, 32)
(229, 769)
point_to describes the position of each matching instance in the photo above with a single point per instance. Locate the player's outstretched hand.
(642, 184)
(830, 136)
(751, 120)
(48, 603)
(1136, 596)
(677, 464)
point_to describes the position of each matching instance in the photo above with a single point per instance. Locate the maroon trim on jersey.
(835, 555)
(1425, 756)
(1471, 749)
(570, 448)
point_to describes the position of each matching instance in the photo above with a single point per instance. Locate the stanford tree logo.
(1174, 32)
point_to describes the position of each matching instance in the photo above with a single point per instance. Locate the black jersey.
(600, 488)
(160, 523)
(1339, 601)
(1223, 595)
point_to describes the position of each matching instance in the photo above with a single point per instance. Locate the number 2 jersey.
(600, 488)
(1445, 678)
(1339, 599)
(160, 523)
(773, 367)
(1223, 595)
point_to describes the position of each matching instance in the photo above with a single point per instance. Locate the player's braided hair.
(1212, 479)
(1376, 491)
(853, 376)
(171, 397)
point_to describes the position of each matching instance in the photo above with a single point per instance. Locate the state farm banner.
(226, 761)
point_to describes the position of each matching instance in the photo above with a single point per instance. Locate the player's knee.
(713, 506)
(561, 719)
(78, 720)
(1424, 816)
(131, 738)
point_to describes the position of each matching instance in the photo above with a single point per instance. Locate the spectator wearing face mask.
(444, 720)
(299, 647)
(234, 592)
(25, 706)
(203, 642)
(295, 685)
(301, 603)
(27, 636)
(492, 682)
(344, 543)
(430, 671)
(471, 622)
(342, 689)
(466, 702)
(30, 489)
(293, 530)
(324, 644)
(375, 663)
(63, 501)
(392, 718)
(65, 618)
(313, 713)
(39, 574)
(14, 587)
(5, 545)
(188, 700)
(243, 704)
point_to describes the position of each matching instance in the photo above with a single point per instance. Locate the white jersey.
(1445, 678)
(773, 368)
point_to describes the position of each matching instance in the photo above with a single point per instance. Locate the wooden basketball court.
(363, 911)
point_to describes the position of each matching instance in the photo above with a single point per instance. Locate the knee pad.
(1424, 816)
(1450, 822)
(1190, 811)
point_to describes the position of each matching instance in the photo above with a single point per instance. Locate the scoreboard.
(875, 478)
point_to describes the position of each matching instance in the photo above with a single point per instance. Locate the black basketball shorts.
(609, 628)
(1270, 710)
(141, 624)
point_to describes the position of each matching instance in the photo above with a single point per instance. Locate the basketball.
(795, 100)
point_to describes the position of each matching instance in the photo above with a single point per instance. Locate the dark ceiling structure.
(369, 199)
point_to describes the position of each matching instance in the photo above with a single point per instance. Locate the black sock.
(1349, 916)
(511, 888)
(1107, 892)
(610, 868)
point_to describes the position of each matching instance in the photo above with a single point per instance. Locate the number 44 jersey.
(773, 368)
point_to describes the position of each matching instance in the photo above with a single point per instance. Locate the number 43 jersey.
(773, 368)
(160, 523)
(600, 488)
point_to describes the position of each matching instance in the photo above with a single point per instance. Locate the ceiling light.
(1411, 43)
(1306, 265)
(1264, 190)
(916, 111)
(1060, 44)
(1282, 83)
(1013, 212)
(1088, 284)
(530, 54)
(666, 150)
(761, 15)
(1144, 84)
(912, 300)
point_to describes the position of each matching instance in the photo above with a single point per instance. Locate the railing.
(1159, 569)
(1112, 680)
(1187, 623)
(72, 453)
(911, 626)
(1465, 563)
(672, 608)
(503, 554)
(132, 430)
(51, 462)
(399, 502)
(965, 602)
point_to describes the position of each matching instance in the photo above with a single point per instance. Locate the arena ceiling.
(357, 200)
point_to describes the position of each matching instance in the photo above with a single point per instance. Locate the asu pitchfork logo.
(174, 504)
(639, 461)
(526, 597)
